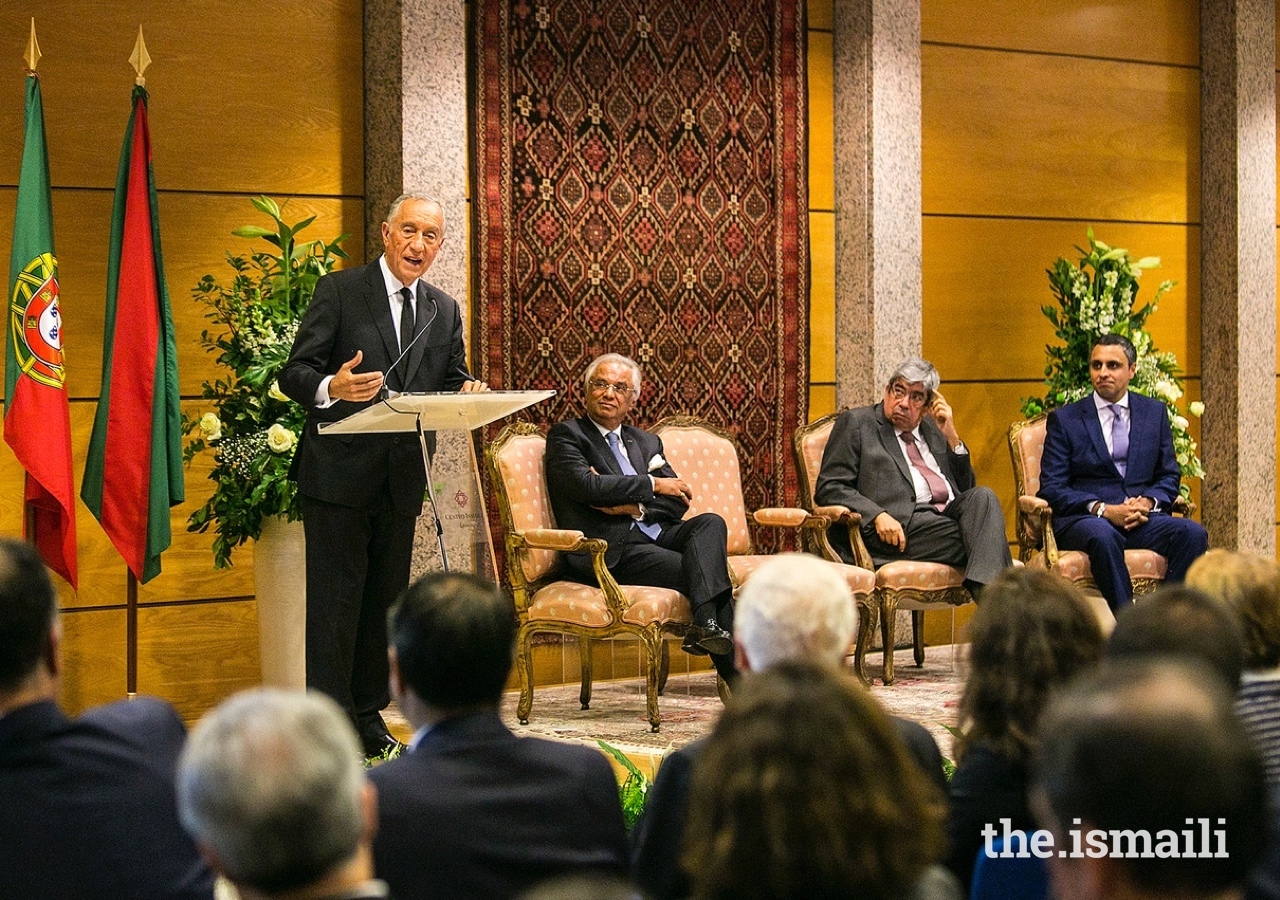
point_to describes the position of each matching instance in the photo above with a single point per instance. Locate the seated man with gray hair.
(795, 607)
(901, 465)
(272, 789)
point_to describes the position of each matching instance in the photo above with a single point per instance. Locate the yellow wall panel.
(819, 12)
(985, 284)
(822, 401)
(822, 298)
(197, 655)
(1011, 134)
(93, 658)
(244, 97)
(1164, 31)
(821, 134)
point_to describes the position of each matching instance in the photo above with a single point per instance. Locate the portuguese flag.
(134, 471)
(37, 421)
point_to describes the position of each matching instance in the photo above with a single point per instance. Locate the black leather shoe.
(381, 746)
(715, 640)
(690, 644)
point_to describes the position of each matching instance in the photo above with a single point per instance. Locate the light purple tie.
(1119, 438)
(652, 529)
(937, 487)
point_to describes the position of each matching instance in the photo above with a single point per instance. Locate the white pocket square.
(657, 462)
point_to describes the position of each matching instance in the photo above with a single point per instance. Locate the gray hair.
(620, 360)
(795, 607)
(272, 781)
(394, 209)
(916, 371)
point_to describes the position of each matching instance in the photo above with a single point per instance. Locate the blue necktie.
(1119, 439)
(652, 529)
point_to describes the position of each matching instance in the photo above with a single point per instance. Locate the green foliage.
(1097, 296)
(633, 790)
(253, 428)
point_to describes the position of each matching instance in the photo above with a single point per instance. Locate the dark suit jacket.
(576, 447)
(87, 805)
(350, 311)
(864, 470)
(1076, 470)
(986, 787)
(658, 838)
(475, 811)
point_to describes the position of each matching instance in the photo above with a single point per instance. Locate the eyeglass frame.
(899, 391)
(599, 386)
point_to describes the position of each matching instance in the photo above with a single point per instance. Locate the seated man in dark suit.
(1110, 474)
(610, 480)
(86, 804)
(471, 810)
(795, 607)
(901, 465)
(272, 789)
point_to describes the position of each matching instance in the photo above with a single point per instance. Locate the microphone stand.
(435, 507)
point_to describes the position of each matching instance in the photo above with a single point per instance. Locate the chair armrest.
(841, 514)
(788, 517)
(553, 539)
(1182, 507)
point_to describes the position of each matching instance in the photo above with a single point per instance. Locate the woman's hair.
(805, 791)
(1249, 585)
(1032, 632)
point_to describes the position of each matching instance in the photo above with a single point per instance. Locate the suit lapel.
(596, 439)
(938, 447)
(1093, 425)
(889, 439)
(634, 451)
(1140, 422)
(380, 312)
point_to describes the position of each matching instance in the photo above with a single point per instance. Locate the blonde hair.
(1249, 585)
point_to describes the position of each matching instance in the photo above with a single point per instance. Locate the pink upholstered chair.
(547, 604)
(914, 586)
(1036, 543)
(706, 457)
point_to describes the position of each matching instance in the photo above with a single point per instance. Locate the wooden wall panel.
(985, 284)
(1010, 134)
(196, 235)
(822, 298)
(821, 112)
(1162, 31)
(244, 97)
(196, 655)
(819, 12)
(822, 401)
(93, 659)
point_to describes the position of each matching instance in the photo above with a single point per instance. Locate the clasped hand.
(1128, 515)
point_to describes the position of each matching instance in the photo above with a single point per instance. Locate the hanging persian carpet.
(641, 189)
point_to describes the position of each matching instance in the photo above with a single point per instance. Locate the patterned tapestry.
(641, 188)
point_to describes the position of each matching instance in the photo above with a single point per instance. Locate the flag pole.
(32, 57)
(139, 59)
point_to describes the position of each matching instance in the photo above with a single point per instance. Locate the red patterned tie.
(937, 487)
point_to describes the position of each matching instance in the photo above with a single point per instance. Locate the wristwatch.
(1100, 509)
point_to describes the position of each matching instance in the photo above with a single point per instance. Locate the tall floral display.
(1096, 296)
(253, 428)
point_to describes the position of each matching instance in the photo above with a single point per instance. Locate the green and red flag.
(134, 471)
(37, 420)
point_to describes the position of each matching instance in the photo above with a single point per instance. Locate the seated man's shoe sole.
(715, 640)
(381, 746)
(691, 643)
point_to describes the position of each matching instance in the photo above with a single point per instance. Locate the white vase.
(280, 581)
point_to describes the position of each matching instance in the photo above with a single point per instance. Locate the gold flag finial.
(33, 48)
(140, 58)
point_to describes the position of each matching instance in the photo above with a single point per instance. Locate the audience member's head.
(452, 645)
(1183, 623)
(272, 788)
(794, 607)
(804, 790)
(1249, 585)
(584, 887)
(28, 625)
(1032, 632)
(1149, 747)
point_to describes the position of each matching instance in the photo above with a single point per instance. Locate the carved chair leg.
(664, 666)
(917, 635)
(584, 654)
(888, 616)
(653, 644)
(524, 665)
(867, 621)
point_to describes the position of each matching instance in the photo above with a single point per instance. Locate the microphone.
(384, 392)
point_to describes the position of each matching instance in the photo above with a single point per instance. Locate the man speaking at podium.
(362, 493)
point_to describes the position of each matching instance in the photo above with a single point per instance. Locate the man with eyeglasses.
(901, 465)
(362, 493)
(611, 481)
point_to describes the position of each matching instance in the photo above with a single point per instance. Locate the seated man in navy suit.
(86, 804)
(1110, 475)
(471, 810)
(610, 480)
